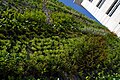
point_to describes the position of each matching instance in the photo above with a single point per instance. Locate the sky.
(78, 8)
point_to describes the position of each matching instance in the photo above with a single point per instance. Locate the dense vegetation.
(42, 39)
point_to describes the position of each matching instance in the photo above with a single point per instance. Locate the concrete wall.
(78, 2)
(113, 22)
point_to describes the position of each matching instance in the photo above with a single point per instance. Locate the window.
(113, 7)
(90, 0)
(100, 3)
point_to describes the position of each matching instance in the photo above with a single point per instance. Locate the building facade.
(107, 12)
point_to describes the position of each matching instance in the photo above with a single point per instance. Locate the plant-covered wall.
(44, 39)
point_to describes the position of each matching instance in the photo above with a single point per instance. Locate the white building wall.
(113, 22)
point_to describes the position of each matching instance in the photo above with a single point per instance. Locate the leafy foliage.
(71, 46)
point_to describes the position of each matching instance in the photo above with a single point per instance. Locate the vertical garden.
(46, 40)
